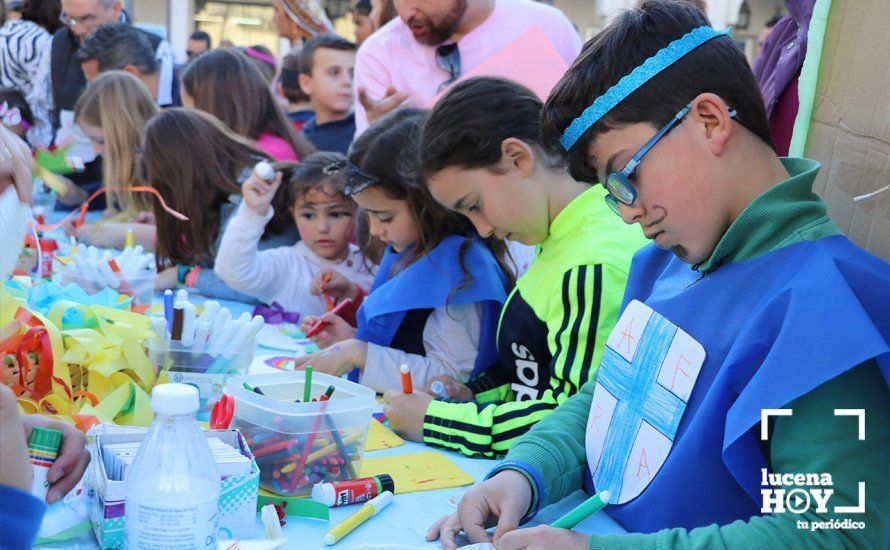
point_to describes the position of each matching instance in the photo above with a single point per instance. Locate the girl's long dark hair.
(194, 161)
(388, 150)
(226, 84)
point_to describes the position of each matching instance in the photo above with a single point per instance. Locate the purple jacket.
(783, 52)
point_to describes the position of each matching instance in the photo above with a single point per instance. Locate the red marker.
(316, 328)
(407, 384)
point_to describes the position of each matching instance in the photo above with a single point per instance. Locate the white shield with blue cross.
(644, 381)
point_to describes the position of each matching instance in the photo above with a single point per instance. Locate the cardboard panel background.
(849, 131)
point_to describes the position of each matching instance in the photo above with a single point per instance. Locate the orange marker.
(407, 385)
(125, 286)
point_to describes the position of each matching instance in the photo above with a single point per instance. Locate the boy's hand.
(258, 193)
(543, 537)
(501, 500)
(336, 329)
(405, 412)
(73, 457)
(337, 286)
(455, 388)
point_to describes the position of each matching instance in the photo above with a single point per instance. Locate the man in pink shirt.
(433, 42)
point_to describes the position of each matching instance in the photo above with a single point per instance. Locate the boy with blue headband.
(742, 399)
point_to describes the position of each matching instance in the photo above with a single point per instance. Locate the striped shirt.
(24, 65)
(552, 332)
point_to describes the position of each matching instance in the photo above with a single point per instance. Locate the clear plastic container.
(172, 493)
(196, 367)
(141, 287)
(327, 437)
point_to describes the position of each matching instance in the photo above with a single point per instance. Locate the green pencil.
(307, 385)
(583, 511)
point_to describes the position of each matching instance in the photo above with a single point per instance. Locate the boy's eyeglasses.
(357, 180)
(448, 59)
(619, 185)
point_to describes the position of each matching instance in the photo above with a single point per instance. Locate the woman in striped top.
(25, 62)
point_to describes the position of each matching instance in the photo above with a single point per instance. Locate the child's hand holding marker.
(334, 284)
(258, 191)
(406, 411)
(335, 329)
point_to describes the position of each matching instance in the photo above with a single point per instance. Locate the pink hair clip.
(12, 116)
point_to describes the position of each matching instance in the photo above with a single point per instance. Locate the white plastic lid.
(174, 399)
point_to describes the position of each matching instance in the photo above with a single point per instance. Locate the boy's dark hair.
(116, 45)
(323, 171)
(14, 99)
(362, 7)
(329, 41)
(717, 66)
(466, 127)
(290, 79)
(388, 151)
(201, 35)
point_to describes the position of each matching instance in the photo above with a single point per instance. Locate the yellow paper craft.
(417, 471)
(380, 437)
(99, 372)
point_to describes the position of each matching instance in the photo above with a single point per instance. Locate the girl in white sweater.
(324, 219)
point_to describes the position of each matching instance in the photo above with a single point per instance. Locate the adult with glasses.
(433, 42)
(67, 80)
(82, 18)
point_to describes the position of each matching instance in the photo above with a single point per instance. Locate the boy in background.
(327, 64)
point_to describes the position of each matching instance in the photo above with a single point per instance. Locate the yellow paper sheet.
(380, 437)
(417, 471)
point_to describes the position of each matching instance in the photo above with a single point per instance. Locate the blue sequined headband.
(629, 83)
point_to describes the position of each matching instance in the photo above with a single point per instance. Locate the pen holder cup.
(324, 438)
(140, 287)
(203, 368)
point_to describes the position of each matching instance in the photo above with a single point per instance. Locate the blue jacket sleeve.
(20, 517)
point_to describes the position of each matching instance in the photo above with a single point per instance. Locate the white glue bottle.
(172, 488)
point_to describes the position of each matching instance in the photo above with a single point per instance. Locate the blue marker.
(439, 389)
(168, 308)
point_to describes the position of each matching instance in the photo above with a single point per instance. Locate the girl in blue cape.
(742, 399)
(435, 302)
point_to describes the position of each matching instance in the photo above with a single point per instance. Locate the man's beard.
(442, 31)
(13, 225)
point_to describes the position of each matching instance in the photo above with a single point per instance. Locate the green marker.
(583, 511)
(307, 385)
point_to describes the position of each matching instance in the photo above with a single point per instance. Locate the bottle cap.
(174, 399)
(45, 440)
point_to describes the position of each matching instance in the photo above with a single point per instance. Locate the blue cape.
(429, 283)
(773, 328)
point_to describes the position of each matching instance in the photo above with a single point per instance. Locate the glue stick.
(43, 448)
(352, 491)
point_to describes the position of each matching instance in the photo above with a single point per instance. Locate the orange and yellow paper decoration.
(95, 372)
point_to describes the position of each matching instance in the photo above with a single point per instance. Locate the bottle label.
(170, 526)
(354, 491)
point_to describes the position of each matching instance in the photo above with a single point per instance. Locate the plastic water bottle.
(172, 487)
